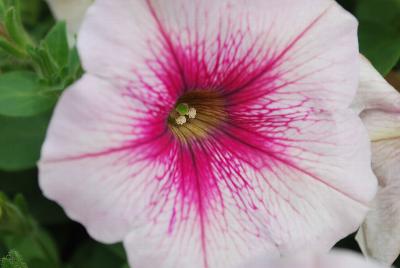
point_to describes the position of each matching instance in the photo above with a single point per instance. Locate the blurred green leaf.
(96, 255)
(22, 94)
(380, 44)
(56, 63)
(31, 11)
(35, 246)
(50, 58)
(12, 219)
(26, 245)
(381, 11)
(56, 43)
(7, 46)
(13, 260)
(14, 27)
(19, 231)
(75, 70)
(379, 32)
(21, 140)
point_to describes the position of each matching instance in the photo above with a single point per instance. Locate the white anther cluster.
(180, 120)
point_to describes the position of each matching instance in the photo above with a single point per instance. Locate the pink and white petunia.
(379, 107)
(335, 259)
(208, 132)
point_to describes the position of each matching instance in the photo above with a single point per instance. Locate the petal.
(86, 123)
(378, 104)
(379, 107)
(374, 92)
(379, 236)
(337, 258)
(308, 48)
(72, 11)
(381, 125)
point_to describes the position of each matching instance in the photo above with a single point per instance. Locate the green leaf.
(382, 11)
(34, 246)
(21, 232)
(379, 32)
(21, 94)
(21, 140)
(75, 70)
(12, 219)
(24, 244)
(14, 27)
(56, 43)
(31, 11)
(13, 260)
(380, 44)
(7, 46)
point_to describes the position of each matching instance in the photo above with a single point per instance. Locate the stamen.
(197, 115)
(192, 113)
(180, 120)
(182, 113)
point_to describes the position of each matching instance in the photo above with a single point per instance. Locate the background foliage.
(36, 65)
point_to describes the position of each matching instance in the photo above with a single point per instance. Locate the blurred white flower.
(72, 11)
(379, 106)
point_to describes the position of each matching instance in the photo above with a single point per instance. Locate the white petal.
(381, 125)
(379, 236)
(336, 259)
(72, 11)
(88, 125)
(374, 92)
(379, 106)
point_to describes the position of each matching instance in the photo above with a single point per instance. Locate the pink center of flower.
(197, 114)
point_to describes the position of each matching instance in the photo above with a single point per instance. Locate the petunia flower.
(379, 106)
(336, 258)
(72, 11)
(208, 132)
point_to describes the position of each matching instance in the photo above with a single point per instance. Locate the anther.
(192, 113)
(180, 120)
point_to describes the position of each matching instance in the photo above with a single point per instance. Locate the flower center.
(197, 114)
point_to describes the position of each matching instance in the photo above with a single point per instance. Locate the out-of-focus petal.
(337, 258)
(382, 125)
(374, 92)
(378, 104)
(72, 11)
(379, 236)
